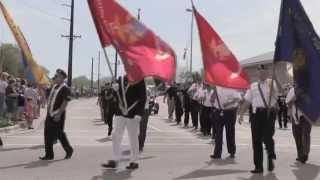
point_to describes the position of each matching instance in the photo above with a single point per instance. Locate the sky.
(248, 27)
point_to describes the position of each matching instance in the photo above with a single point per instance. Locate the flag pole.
(108, 62)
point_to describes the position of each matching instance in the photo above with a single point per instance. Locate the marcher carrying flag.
(142, 51)
(221, 67)
(298, 43)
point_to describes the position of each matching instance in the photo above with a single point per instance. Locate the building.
(283, 70)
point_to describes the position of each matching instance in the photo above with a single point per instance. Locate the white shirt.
(226, 96)
(3, 86)
(254, 97)
(205, 95)
(293, 110)
(194, 91)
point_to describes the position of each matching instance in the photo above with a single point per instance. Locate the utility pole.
(191, 45)
(92, 74)
(99, 71)
(71, 38)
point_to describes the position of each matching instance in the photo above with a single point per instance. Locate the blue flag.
(298, 43)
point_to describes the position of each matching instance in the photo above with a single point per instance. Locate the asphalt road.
(171, 152)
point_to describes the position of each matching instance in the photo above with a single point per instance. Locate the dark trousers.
(283, 117)
(195, 107)
(213, 123)
(143, 129)
(52, 131)
(186, 116)
(301, 133)
(227, 120)
(262, 129)
(109, 113)
(1, 143)
(206, 115)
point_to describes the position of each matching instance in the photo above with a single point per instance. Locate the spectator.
(29, 112)
(11, 100)
(21, 99)
(3, 87)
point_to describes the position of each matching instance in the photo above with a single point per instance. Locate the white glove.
(115, 86)
(138, 117)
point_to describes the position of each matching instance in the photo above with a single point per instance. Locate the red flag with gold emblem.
(143, 53)
(220, 66)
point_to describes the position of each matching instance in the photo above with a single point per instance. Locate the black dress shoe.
(304, 159)
(215, 157)
(69, 154)
(46, 158)
(110, 164)
(270, 165)
(133, 166)
(232, 156)
(109, 131)
(257, 171)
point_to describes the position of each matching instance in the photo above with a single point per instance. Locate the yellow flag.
(37, 72)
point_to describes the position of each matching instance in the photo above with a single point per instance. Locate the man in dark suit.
(59, 97)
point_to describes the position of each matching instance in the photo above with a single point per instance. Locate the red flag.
(220, 66)
(143, 52)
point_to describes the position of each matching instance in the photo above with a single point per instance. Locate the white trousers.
(132, 126)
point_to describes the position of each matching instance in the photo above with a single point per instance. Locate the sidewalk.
(23, 124)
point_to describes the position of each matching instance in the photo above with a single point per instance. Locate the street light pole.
(191, 34)
(71, 45)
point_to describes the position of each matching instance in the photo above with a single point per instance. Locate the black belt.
(265, 109)
(227, 110)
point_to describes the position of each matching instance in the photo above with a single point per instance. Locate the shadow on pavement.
(270, 176)
(306, 171)
(33, 164)
(210, 173)
(103, 140)
(110, 174)
(22, 148)
(222, 162)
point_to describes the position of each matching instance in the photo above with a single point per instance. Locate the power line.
(39, 10)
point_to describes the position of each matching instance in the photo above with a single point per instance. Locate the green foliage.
(10, 60)
(81, 81)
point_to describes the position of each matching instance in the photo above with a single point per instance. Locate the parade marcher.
(207, 109)
(226, 102)
(110, 107)
(132, 99)
(263, 97)
(283, 112)
(186, 105)
(144, 123)
(301, 128)
(194, 105)
(202, 116)
(178, 104)
(58, 100)
(169, 96)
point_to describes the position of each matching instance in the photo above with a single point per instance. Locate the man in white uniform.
(226, 104)
(262, 95)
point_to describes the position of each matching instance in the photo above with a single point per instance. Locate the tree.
(81, 81)
(10, 60)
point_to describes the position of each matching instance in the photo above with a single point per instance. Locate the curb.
(12, 128)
